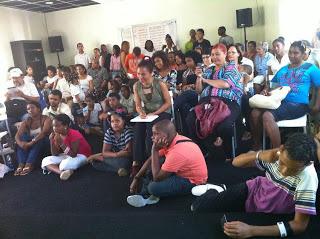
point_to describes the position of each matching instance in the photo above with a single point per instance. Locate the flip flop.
(26, 171)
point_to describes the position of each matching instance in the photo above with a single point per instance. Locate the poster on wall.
(156, 32)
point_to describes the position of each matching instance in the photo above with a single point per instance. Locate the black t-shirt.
(205, 45)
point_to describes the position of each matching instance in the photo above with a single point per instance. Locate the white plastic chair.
(294, 123)
(173, 119)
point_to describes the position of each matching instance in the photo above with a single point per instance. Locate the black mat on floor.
(93, 205)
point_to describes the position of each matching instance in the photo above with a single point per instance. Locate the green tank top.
(152, 104)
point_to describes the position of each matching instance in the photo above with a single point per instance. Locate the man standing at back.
(224, 38)
(204, 44)
(82, 57)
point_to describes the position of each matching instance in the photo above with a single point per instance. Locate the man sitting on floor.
(290, 186)
(183, 168)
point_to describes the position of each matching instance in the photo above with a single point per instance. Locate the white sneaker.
(139, 201)
(152, 200)
(136, 201)
(65, 175)
(202, 189)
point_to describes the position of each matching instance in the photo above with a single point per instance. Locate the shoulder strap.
(183, 141)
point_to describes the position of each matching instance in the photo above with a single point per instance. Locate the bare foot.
(218, 142)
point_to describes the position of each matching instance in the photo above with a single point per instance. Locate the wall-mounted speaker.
(55, 44)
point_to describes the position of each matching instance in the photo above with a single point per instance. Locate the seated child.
(91, 114)
(127, 99)
(247, 82)
(113, 102)
(69, 149)
(76, 91)
(113, 87)
(117, 148)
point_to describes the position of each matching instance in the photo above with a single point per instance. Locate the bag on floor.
(271, 102)
(209, 115)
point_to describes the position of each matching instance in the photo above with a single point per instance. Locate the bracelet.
(258, 154)
(288, 229)
(282, 229)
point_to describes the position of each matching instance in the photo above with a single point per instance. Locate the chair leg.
(233, 147)
(234, 141)
(263, 139)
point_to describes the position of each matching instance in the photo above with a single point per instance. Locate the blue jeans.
(112, 164)
(171, 186)
(32, 154)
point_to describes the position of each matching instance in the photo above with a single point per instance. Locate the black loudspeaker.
(55, 44)
(29, 53)
(244, 17)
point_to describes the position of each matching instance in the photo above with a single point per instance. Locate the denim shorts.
(289, 111)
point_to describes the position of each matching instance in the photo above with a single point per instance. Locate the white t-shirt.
(247, 61)
(62, 109)
(50, 80)
(276, 65)
(94, 115)
(83, 59)
(76, 90)
(27, 88)
(28, 79)
(84, 83)
(63, 86)
(147, 53)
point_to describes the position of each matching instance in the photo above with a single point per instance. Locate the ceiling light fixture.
(49, 3)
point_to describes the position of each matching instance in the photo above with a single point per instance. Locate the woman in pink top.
(115, 62)
(69, 149)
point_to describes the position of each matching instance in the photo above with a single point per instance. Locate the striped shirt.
(231, 75)
(275, 193)
(120, 143)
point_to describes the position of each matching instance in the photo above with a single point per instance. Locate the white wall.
(17, 25)
(98, 24)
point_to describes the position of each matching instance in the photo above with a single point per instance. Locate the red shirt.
(132, 62)
(186, 160)
(74, 135)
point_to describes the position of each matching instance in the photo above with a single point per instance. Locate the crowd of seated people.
(209, 88)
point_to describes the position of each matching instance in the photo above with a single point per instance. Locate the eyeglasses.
(205, 57)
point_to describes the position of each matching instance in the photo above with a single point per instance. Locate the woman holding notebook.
(152, 98)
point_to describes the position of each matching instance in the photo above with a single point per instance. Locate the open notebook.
(148, 119)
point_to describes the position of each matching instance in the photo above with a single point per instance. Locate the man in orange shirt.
(132, 61)
(183, 168)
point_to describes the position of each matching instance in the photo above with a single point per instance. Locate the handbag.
(209, 115)
(272, 101)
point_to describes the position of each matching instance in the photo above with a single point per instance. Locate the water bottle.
(9, 162)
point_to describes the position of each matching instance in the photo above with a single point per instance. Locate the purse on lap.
(271, 102)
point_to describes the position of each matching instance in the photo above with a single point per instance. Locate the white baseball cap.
(15, 72)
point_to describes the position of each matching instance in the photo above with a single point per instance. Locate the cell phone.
(201, 65)
(223, 220)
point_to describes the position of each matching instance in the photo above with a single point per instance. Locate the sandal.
(19, 170)
(26, 170)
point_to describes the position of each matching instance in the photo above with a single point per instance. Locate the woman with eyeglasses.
(299, 75)
(152, 98)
